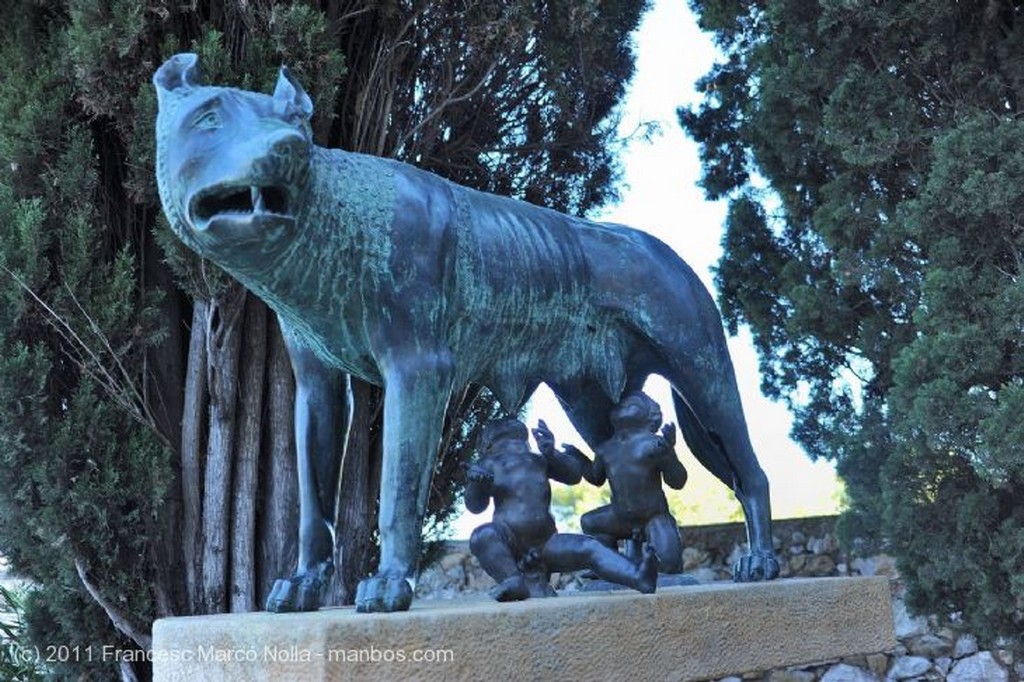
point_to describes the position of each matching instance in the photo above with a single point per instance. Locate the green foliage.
(80, 476)
(550, 76)
(18, 662)
(879, 270)
(57, 616)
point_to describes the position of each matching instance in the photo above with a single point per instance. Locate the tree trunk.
(223, 327)
(279, 512)
(247, 457)
(355, 552)
(193, 448)
(164, 393)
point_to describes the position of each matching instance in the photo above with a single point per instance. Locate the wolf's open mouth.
(240, 201)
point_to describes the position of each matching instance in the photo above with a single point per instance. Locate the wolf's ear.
(289, 92)
(178, 75)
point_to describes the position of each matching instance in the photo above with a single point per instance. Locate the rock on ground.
(981, 667)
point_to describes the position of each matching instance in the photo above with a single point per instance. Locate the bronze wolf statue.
(421, 286)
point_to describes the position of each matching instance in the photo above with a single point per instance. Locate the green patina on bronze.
(422, 286)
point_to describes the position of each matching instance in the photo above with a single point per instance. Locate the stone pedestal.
(680, 633)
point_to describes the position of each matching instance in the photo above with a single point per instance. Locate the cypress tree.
(145, 399)
(873, 159)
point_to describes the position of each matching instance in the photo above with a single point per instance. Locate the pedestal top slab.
(681, 633)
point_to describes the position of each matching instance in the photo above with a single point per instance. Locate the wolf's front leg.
(320, 419)
(416, 394)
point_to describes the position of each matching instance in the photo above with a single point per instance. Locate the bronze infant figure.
(521, 547)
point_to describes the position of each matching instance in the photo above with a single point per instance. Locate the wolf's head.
(232, 165)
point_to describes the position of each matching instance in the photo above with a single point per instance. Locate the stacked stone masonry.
(927, 650)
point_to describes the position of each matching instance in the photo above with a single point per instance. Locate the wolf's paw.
(302, 591)
(755, 567)
(380, 594)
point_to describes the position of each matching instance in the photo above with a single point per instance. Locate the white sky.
(660, 195)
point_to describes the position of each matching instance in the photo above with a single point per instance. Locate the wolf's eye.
(208, 120)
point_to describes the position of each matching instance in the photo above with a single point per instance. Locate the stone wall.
(809, 549)
(927, 649)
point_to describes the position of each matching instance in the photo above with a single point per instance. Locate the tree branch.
(450, 100)
(119, 620)
(122, 391)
